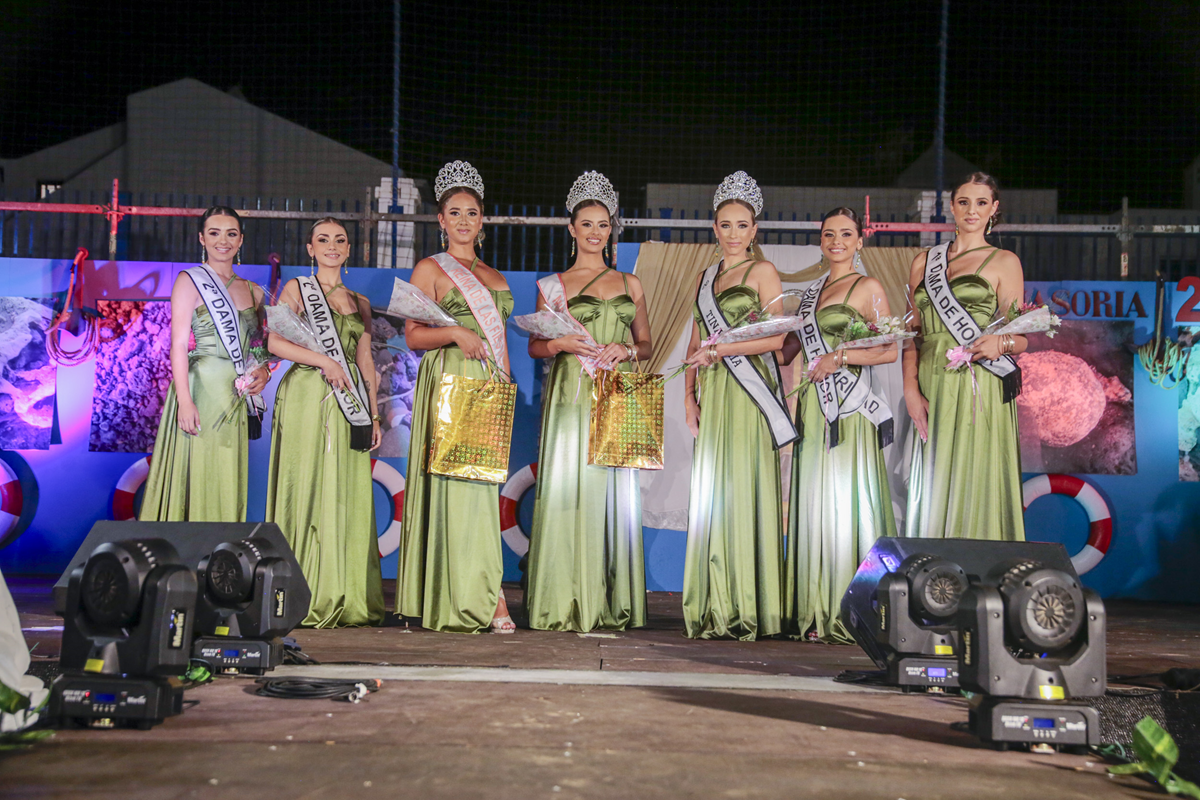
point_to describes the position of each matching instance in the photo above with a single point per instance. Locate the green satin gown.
(202, 478)
(585, 555)
(733, 568)
(320, 494)
(966, 480)
(840, 504)
(451, 563)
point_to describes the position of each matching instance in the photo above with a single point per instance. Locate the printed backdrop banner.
(27, 374)
(133, 371)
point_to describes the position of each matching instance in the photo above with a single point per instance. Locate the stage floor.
(643, 714)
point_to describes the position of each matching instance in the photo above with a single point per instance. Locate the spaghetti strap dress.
(585, 555)
(202, 478)
(320, 494)
(733, 567)
(451, 563)
(965, 481)
(839, 505)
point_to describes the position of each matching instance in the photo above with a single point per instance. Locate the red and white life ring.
(510, 505)
(1099, 516)
(391, 480)
(127, 486)
(12, 501)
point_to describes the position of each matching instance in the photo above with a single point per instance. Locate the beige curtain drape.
(888, 265)
(668, 272)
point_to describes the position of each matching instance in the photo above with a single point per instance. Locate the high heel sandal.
(503, 624)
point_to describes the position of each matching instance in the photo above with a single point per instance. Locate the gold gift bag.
(473, 429)
(627, 420)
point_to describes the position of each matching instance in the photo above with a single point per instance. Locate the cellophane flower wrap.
(1022, 319)
(758, 324)
(549, 324)
(411, 303)
(287, 324)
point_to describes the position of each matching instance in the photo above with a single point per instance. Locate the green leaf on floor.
(12, 701)
(1157, 752)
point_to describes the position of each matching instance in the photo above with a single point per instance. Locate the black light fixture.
(127, 631)
(250, 595)
(1032, 639)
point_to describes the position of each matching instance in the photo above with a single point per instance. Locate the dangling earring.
(572, 247)
(716, 250)
(988, 231)
(442, 238)
(203, 254)
(956, 229)
(312, 265)
(607, 254)
(858, 263)
(346, 269)
(750, 248)
(239, 256)
(479, 237)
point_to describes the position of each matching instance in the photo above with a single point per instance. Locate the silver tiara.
(457, 175)
(739, 186)
(592, 185)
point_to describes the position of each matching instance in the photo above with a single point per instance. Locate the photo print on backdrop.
(27, 374)
(1075, 409)
(396, 370)
(1189, 408)
(133, 372)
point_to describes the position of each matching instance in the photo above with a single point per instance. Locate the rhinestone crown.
(592, 185)
(457, 175)
(739, 186)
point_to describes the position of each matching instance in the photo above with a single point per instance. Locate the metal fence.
(534, 238)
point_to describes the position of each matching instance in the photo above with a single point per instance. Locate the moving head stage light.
(250, 596)
(1032, 637)
(902, 605)
(127, 632)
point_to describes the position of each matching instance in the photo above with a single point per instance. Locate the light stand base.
(227, 653)
(928, 672)
(110, 701)
(1003, 722)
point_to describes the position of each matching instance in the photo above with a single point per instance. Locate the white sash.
(320, 320)
(770, 403)
(554, 293)
(483, 307)
(841, 393)
(224, 315)
(960, 324)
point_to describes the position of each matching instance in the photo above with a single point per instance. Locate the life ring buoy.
(510, 504)
(1099, 515)
(12, 502)
(126, 492)
(392, 481)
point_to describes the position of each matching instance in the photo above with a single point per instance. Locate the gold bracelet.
(712, 354)
(631, 352)
(376, 418)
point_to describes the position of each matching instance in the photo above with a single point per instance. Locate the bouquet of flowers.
(287, 324)
(758, 324)
(550, 324)
(410, 302)
(884, 330)
(1020, 319)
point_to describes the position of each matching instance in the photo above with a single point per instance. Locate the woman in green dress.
(966, 463)
(585, 555)
(319, 488)
(450, 558)
(198, 469)
(840, 502)
(733, 568)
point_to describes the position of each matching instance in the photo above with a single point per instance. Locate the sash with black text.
(354, 403)
(224, 315)
(769, 401)
(841, 393)
(960, 323)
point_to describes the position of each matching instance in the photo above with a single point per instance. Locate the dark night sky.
(1098, 99)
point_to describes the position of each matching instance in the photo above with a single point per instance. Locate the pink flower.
(958, 357)
(191, 341)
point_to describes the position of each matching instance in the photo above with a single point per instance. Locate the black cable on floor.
(300, 688)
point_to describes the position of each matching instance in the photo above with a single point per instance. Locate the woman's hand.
(986, 347)
(575, 344)
(470, 343)
(259, 380)
(188, 417)
(693, 416)
(703, 357)
(613, 354)
(918, 411)
(824, 366)
(376, 435)
(335, 375)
